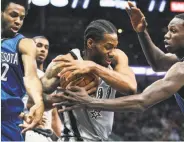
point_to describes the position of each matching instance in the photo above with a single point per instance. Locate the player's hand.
(78, 67)
(25, 117)
(137, 17)
(91, 88)
(35, 114)
(43, 122)
(77, 97)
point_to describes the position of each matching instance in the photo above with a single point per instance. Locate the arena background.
(64, 21)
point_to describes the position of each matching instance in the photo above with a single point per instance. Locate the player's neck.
(180, 54)
(86, 55)
(40, 66)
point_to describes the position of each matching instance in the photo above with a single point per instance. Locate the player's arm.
(50, 80)
(155, 57)
(56, 122)
(48, 100)
(122, 77)
(32, 83)
(155, 93)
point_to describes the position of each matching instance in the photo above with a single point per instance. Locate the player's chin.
(171, 50)
(11, 33)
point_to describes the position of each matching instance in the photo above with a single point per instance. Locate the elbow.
(158, 67)
(129, 89)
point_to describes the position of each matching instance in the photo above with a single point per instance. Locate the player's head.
(100, 40)
(13, 13)
(174, 38)
(42, 48)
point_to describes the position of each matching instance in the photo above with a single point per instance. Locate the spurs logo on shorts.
(96, 113)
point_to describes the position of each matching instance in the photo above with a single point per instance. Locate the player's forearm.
(34, 88)
(49, 85)
(127, 103)
(151, 51)
(47, 99)
(155, 93)
(119, 81)
(30, 103)
(56, 123)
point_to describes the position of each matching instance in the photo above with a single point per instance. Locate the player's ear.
(90, 43)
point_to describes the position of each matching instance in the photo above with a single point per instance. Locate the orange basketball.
(79, 80)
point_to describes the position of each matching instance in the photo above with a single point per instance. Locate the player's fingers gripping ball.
(90, 81)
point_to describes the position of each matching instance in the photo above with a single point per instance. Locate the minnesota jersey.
(12, 85)
(178, 96)
(180, 101)
(95, 124)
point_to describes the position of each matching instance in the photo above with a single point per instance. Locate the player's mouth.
(167, 45)
(108, 61)
(15, 29)
(41, 56)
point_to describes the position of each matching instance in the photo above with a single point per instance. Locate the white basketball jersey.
(95, 124)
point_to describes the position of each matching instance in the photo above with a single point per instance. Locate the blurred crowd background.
(63, 22)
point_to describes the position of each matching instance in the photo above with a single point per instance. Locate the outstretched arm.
(153, 94)
(155, 57)
(32, 83)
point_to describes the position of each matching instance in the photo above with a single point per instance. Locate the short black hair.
(41, 36)
(5, 3)
(96, 30)
(180, 16)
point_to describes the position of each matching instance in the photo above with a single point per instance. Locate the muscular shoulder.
(176, 72)
(120, 57)
(27, 45)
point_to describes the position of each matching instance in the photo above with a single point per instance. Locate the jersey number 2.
(3, 75)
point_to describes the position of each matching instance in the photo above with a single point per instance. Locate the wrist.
(141, 32)
(93, 66)
(94, 103)
(38, 101)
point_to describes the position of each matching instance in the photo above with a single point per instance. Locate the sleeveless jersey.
(94, 124)
(180, 99)
(12, 85)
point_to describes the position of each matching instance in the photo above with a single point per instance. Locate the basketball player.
(17, 60)
(42, 49)
(100, 51)
(174, 43)
(162, 89)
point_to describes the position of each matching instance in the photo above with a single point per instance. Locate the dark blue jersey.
(179, 99)
(180, 96)
(12, 85)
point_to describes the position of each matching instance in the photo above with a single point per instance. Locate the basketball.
(79, 80)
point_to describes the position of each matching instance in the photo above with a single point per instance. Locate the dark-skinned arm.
(122, 77)
(157, 59)
(153, 94)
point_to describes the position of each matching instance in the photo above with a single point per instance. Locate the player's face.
(174, 38)
(12, 19)
(42, 48)
(103, 49)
